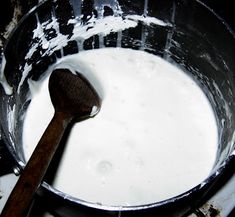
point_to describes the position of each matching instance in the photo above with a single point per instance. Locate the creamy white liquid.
(155, 136)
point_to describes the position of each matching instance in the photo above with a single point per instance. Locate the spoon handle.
(20, 199)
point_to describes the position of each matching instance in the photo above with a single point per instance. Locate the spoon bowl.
(81, 102)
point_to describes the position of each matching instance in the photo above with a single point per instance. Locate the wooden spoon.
(72, 97)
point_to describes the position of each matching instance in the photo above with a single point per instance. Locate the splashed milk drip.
(155, 136)
(3, 81)
(80, 33)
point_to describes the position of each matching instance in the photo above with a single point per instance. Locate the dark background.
(224, 8)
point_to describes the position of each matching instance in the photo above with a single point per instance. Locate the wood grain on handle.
(20, 198)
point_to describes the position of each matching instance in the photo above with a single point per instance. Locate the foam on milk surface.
(155, 136)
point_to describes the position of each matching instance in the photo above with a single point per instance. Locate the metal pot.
(196, 39)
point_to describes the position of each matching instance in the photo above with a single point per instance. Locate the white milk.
(155, 136)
